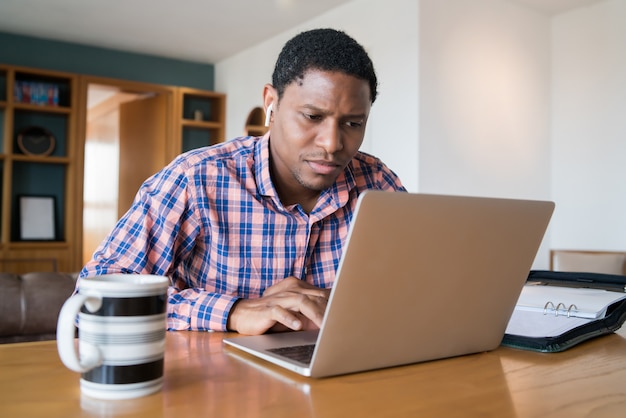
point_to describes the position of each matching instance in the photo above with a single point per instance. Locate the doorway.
(127, 131)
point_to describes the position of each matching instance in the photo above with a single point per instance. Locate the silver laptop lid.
(427, 277)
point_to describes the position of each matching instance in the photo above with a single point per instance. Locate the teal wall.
(75, 58)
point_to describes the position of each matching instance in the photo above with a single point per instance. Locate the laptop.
(422, 277)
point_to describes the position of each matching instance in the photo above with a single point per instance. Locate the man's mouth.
(323, 167)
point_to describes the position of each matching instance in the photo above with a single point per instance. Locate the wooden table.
(204, 379)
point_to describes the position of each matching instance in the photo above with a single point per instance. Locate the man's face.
(317, 128)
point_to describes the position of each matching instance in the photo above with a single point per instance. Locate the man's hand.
(290, 304)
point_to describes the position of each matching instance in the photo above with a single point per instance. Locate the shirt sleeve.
(197, 309)
(157, 236)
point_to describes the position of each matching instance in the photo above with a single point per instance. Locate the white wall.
(388, 31)
(486, 97)
(589, 127)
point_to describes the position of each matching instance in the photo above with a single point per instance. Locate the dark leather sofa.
(30, 304)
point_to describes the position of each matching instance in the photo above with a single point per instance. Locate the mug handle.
(68, 351)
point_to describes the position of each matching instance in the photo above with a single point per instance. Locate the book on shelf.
(557, 310)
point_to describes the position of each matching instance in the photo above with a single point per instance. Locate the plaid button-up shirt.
(213, 222)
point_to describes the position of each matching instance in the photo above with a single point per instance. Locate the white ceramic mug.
(121, 334)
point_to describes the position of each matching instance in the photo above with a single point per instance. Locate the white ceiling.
(196, 30)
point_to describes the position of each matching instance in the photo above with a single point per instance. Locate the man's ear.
(270, 97)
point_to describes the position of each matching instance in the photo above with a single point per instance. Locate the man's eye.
(354, 124)
(312, 117)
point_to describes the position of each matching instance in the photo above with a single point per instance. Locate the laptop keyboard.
(301, 353)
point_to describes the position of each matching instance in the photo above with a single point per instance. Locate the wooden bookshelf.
(33, 101)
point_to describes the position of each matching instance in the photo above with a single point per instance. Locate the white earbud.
(268, 113)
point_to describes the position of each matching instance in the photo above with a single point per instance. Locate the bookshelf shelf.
(202, 118)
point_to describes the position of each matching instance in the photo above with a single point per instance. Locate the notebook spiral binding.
(561, 307)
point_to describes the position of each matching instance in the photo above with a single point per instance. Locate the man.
(251, 230)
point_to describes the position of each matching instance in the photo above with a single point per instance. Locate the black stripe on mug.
(135, 306)
(119, 375)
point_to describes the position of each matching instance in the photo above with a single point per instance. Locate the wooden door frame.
(172, 149)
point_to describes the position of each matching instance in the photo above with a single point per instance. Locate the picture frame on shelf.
(37, 218)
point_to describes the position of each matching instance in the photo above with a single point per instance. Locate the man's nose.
(329, 137)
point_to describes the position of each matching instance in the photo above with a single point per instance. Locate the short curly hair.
(326, 50)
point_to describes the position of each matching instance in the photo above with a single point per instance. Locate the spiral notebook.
(566, 301)
(422, 277)
(558, 310)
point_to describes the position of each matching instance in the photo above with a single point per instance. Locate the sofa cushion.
(30, 304)
(11, 314)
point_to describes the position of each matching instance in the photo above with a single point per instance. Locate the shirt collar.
(331, 199)
(262, 167)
